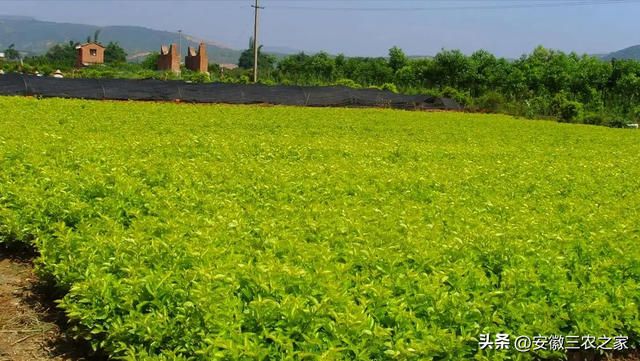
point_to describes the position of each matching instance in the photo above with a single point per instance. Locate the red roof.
(83, 45)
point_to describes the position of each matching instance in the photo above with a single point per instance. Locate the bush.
(617, 122)
(348, 83)
(595, 119)
(228, 80)
(213, 68)
(196, 77)
(518, 109)
(566, 111)
(287, 82)
(46, 70)
(169, 75)
(540, 105)
(491, 101)
(268, 82)
(145, 74)
(28, 69)
(556, 103)
(96, 73)
(151, 61)
(463, 98)
(635, 113)
(389, 87)
(8, 67)
(128, 67)
(571, 112)
(593, 101)
(410, 90)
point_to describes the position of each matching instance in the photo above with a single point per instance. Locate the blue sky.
(418, 27)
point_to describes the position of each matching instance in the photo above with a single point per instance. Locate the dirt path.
(30, 325)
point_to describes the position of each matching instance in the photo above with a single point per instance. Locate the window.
(93, 52)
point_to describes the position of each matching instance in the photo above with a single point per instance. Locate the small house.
(89, 54)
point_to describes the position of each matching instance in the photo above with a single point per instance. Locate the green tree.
(407, 76)
(322, 67)
(265, 61)
(485, 73)
(451, 68)
(151, 61)
(422, 69)
(397, 59)
(11, 53)
(372, 72)
(114, 53)
(293, 67)
(95, 37)
(63, 53)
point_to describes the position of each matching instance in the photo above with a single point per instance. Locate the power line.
(244, 29)
(459, 8)
(255, 43)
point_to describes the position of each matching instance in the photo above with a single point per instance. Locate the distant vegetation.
(544, 84)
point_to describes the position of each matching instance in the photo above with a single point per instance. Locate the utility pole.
(180, 47)
(255, 43)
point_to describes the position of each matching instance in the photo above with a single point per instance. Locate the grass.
(281, 233)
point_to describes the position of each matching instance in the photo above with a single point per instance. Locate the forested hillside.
(632, 52)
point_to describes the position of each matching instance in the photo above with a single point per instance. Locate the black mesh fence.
(157, 90)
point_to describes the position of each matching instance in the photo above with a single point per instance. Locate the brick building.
(89, 54)
(197, 61)
(169, 59)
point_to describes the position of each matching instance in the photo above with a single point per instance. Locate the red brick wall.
(198, 62)
(169, 60)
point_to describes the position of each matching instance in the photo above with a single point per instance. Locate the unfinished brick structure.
(89, 54)
(197, 61)
(169, 59)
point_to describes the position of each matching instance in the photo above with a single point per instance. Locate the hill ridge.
(35, 36)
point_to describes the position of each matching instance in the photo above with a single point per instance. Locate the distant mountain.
(16, 17)
(280, 49)
(35, 37)
(632, 52)
(419, 57)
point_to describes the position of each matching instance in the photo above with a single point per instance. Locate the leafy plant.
(389, 87)
(196, 77)
(348, 83)
(492, 101)
(242, 233)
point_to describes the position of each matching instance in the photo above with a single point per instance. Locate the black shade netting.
(157, 90)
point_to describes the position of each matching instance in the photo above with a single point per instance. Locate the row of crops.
(276, 233)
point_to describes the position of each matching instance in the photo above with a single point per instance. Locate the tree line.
(546, 83)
